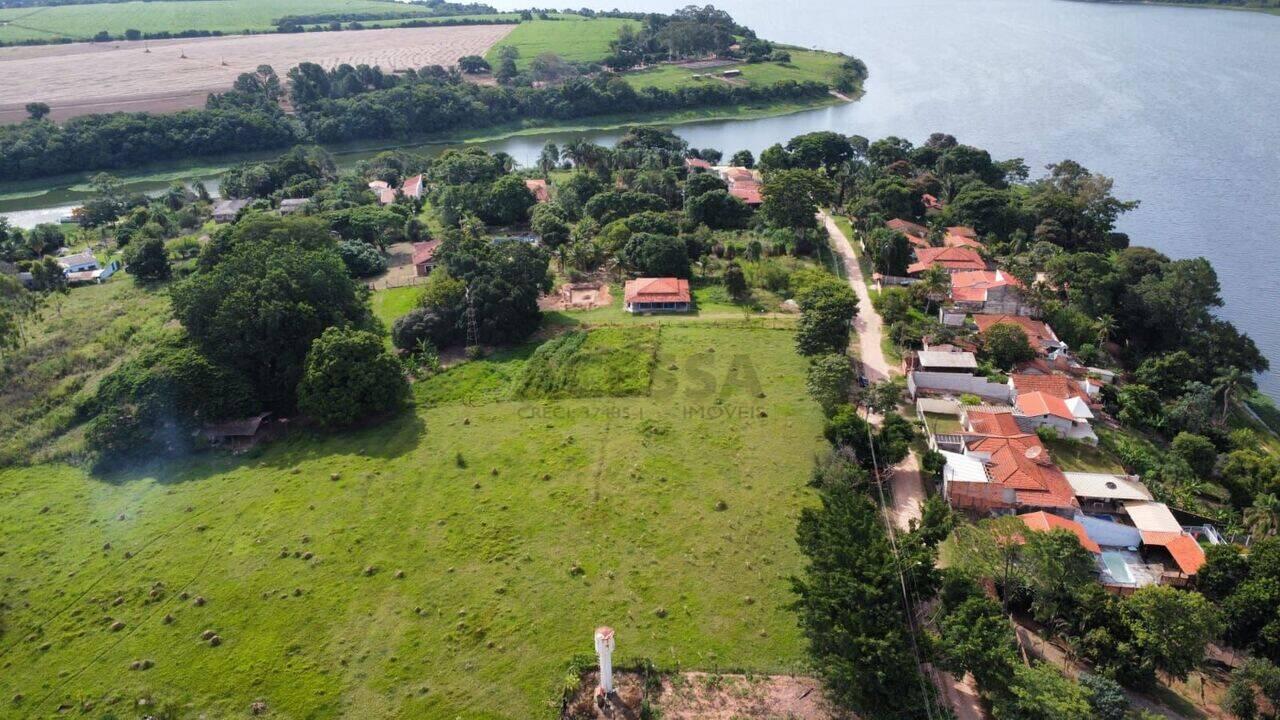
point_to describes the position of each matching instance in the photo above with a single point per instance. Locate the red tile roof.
(972, 285)
(412, 187)
(697, 163)
(1184, 549)
(1035, 404)
(424, 251)
(1042, 521)
(1059, 386)
(953, 259)
(962, 231)
(931, 202)
(994, 424)
(664, 290)
(906, 227)
(748, 191)
(1023, 464)
(1037, 332)
(538, 187)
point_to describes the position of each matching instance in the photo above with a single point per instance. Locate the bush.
(829, 379)
(361, 259)
(348, 376)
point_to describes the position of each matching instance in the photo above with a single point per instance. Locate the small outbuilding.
(290, 206)
(234, 433)
(225, 211)
(424, 257)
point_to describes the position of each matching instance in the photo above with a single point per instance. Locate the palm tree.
(549, 158)
(1263, 518)
(1105, 326)
(576, 151)
(1228, 383)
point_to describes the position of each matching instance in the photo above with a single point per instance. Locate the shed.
(424, 257)
(234, 431)
(1152, 517)
(939, 361)
(226, 211)
(290, 206)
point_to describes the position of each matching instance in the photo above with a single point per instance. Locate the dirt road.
(867, 323)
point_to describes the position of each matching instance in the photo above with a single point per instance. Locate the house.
(992, 292)
(953, 260)
(236, 433)
(1069, 420)
(931, 202)
(995, 474)
(98, 275)
(743, 184)
(386, 194)
(424, 257)
(1106, 493)
(1060, 386)
(940, 361)
(1041, 521)
(79, 262)
(289, 206)
(908, 228)
(412, 188)
(991, 422)
(657, 295)
(961, 236)
(226, 211)
(1040, 335)
(538, 188)
(697, 165)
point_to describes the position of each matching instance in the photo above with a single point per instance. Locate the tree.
(882, 447)
(1041, 692)
(1106, 697)
(1263, 516)
(263, 293)
(850, 611)
(1006, 345)
(551, 225)
(37, 110)
(657, 255)
(890, 251)
(349, 376)
(718, 210)
(507, 202)
(1256, 677)
(743, 158)
(827, 310)
(1197, 450)
(362, 260)
(1171, 626)
(148, 260)
(829, 379)
(1223, 570)
(1056, 566)
(976, 637)
(549, 158)
(792, 197)
(1228, 383)
(473, 65)
(500, 280)
(735, 282)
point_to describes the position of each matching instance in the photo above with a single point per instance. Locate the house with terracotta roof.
(1040, 335)
(1069, 418)
(1061, 386)
(744, 184)
(991, 422)
(988, 292)
(908, 228)
(1016, 473)
(697, 165)
(951, 259)
(931, 202)
(647, 295)
(412, 187)
(538, 188)
(424, 257)
(1041, 521)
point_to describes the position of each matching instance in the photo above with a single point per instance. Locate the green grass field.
(573, 37)
(1079, 457)
(805, 65)
(228, 16)
(519, 526)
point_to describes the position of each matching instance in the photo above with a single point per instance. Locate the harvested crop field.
(177, 74)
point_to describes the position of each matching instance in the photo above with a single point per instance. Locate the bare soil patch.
(578, 296)
(706, 696)
(170, 75)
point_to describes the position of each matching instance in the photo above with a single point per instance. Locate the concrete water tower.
(604, 651)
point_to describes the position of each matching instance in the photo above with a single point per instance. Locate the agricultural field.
(572, 37)
(81, 22)
(805, 65)
(103, 77)
(446, 563)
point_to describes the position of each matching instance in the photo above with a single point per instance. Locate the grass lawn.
(1079, 457)
(519, 525)
(228, 16)
(805, 65)
(572, 37)
(942, 423)
(390, 304)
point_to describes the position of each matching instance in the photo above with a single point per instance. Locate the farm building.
(424, 257)
(227, 210)
(289, 206)
(644, 295)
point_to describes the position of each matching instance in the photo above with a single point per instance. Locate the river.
(1179, 105)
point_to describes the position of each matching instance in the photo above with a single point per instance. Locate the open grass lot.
(572, 37)
(82, 22)
(1079, 457)
(519, 525)
(805, 65)
(77, 340)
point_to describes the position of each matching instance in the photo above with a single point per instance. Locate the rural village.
(845, 428)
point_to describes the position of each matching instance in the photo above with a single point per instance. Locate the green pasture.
(572, 37)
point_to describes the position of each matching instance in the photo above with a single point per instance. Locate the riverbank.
(60, 190)
(1204, 5)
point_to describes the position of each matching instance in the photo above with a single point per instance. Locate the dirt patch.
(705, 696)
(578, 296)
(169, 75)
(400, 268)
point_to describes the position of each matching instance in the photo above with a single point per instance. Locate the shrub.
(361, 259)
(348, 376)
(829, 379)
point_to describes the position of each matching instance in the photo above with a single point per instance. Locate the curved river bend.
(1179, 105)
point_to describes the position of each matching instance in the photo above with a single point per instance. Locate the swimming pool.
(1117, 568)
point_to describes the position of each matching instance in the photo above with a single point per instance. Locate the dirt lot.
(702, 696)
(105, 77)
